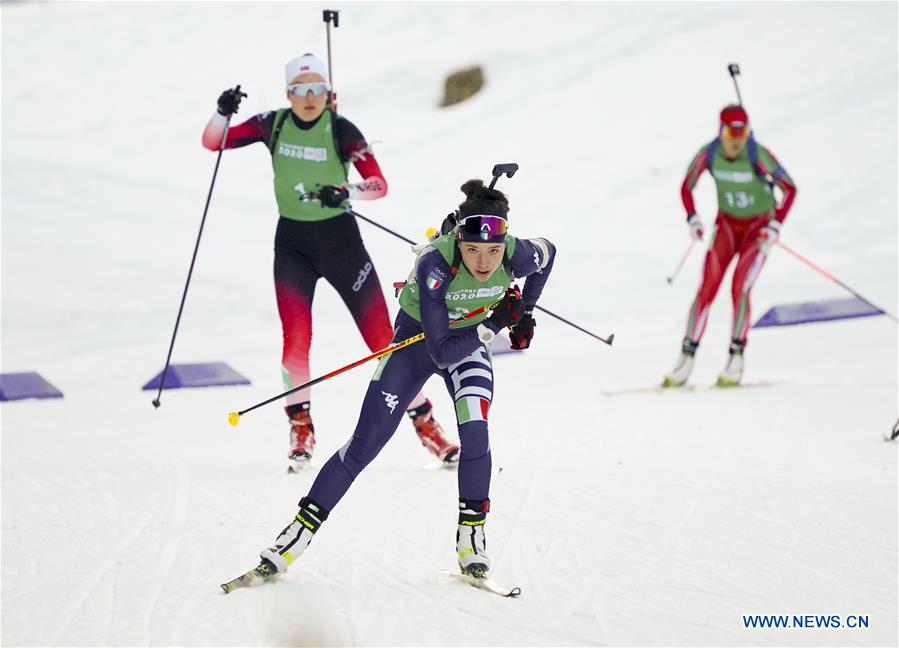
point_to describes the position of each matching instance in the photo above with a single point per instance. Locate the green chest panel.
(303, 161)
(740, 190)
(464, 293)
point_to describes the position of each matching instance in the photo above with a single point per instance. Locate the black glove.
(230, 100)
(523, 332)
(333, 195)
(509, 311)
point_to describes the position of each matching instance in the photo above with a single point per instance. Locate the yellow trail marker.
(233, 418)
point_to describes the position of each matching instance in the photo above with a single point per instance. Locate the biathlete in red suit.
(312, 147)
(747, 226)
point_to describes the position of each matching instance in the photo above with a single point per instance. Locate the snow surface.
(635, 520)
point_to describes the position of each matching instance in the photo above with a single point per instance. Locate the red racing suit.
(746, 204)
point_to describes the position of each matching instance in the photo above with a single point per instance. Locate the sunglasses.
(317, 88)
(735, 132)
(483, 227)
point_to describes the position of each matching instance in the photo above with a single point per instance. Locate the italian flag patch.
(434, 280)
(472, 408)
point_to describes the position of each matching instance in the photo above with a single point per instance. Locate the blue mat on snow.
(203, 374)
(817, 311)
(16, 386)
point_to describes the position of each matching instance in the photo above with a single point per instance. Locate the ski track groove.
(587, 600)
(174, 531)
(245, 606)
(437, 601)
(110, 564)
(21, 592)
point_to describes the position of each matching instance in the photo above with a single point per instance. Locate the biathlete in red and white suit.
(747, 226)
(312, 147)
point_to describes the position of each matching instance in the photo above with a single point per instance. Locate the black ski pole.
(538, 307)
(607, 340)
(892, 436)
(168, 358)
(508, 169)
(498, 171)
(378, 225)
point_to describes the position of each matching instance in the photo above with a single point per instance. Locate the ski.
(264, 573)
(485, 584)
(658, 389)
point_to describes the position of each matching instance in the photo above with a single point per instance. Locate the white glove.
(695, 227)
(768, 236)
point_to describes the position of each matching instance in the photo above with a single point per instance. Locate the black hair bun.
(476, 191)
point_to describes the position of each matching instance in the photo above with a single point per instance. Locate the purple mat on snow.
(16, 386)
(203, 374)
(817, 311)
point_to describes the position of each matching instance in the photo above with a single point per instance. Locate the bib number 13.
(739, 199)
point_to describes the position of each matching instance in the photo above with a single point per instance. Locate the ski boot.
(294, 539)
(471, 544)
(302, 436)
(431, 434)
(733, 370)
(684, 367)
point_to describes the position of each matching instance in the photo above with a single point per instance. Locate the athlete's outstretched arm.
(256, 129)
